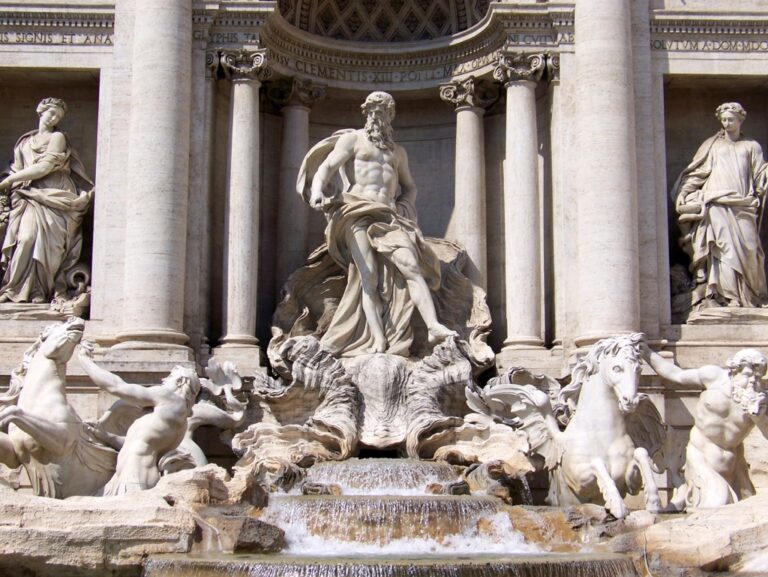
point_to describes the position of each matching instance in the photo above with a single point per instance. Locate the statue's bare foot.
(438, 333)
(378, 347)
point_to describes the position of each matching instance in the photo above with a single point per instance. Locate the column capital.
(212, 63)
(295, 92)
(473, 92)
(245, 64)
(517, 66)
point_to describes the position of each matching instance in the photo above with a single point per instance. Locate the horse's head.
(617, 361)
(58, 342)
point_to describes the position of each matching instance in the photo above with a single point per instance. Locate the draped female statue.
(49, 196)
(718, 200)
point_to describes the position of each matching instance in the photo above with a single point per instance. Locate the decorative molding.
(295, 92)
(245, 64)
(473, 92)
(516, 66)
(393, 21)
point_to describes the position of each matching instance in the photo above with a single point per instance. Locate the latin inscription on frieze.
(710, 45)
(56, 38)
(327, 72)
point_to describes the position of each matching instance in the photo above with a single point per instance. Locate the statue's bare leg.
(406, 263)
(8, 455)
(365, 261)
(613, 501)
(643, 462)
(52, 437)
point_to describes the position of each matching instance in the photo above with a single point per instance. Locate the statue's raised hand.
(86, 349)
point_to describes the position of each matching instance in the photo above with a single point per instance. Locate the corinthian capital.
(513, 66)
(470, 92)
(245, 64)
(295, 92)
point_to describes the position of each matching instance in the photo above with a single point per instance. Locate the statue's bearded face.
(747, 387)
(378, 127)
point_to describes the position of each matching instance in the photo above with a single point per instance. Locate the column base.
(150, 354)
(550, 362)
(249, 359)
(589, 339)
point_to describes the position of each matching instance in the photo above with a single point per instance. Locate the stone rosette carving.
(517, 66)
(472, 92)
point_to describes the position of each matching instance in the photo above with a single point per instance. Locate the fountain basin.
(553, 565)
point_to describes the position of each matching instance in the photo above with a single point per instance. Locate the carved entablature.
(245, 64)
(89, 28)
(295, 92)
(473, 92)
(726, 33)
(516, 66)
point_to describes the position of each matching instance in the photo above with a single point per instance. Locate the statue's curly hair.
(47, 103)
(733, 107)
(381, 99)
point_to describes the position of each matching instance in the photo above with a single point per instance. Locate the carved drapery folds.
(470, 92)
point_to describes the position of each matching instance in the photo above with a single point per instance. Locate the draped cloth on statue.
(349, 333)
(715, 196)
(44, 238)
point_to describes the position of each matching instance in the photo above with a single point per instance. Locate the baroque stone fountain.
(370, 449)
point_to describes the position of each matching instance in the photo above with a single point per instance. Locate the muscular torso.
(721, 425)
(375, 171)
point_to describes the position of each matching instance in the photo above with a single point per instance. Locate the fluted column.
(241, 210)
(606, 187)
(157, 170)
(296, 97)
(519, 73)
(467, 225)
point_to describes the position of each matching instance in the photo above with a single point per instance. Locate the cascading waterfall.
(386, 524)
(381, 476)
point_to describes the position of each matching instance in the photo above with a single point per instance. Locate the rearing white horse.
(604, 451)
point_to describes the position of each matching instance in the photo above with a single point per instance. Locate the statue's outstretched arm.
(671, 372)
(111, 383)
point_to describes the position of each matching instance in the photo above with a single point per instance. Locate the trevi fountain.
(345, 288)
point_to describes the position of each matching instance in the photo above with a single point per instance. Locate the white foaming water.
(497, 537)
(401, 477)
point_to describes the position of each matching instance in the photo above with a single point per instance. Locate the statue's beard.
(379, 133)
(746, 391)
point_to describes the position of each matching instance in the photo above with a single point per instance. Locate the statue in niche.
(153, 434)
(732, 403)
(718, 202)
(373, 236)
(50, 194)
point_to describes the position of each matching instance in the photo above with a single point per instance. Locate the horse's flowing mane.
(18, 374)
(590, 364)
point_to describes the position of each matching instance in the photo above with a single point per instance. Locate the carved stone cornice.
(245, 64)
(295, 92)
(473, 92)
(516, 66)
